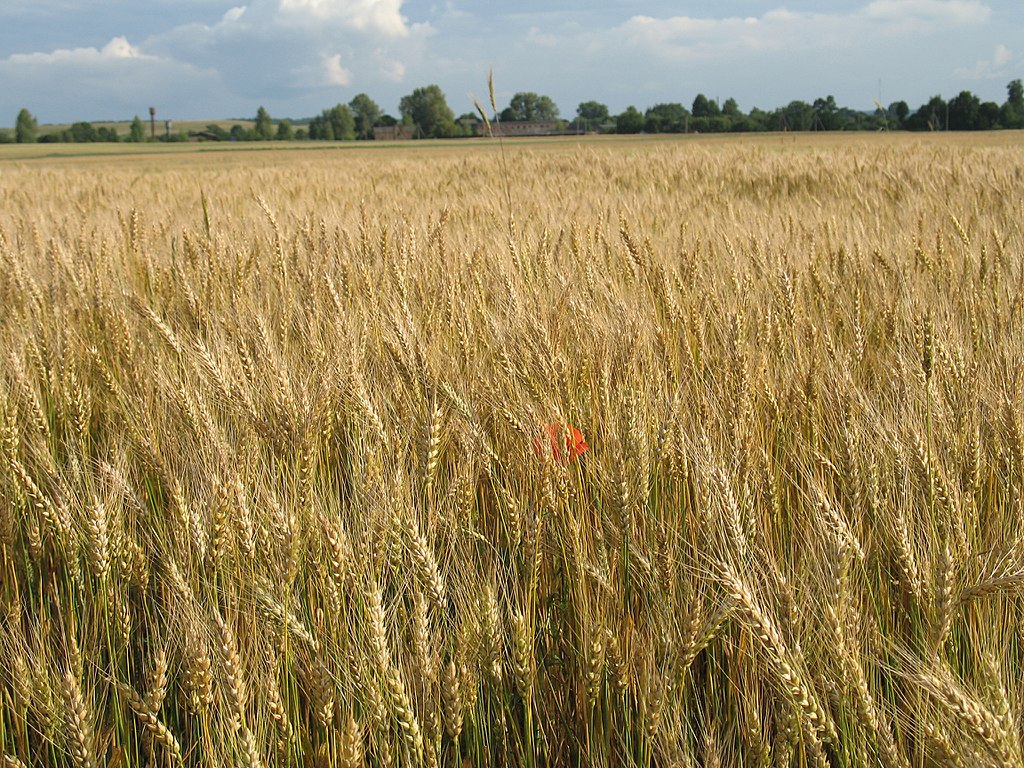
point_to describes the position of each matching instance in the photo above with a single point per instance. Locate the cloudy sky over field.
(111, 59)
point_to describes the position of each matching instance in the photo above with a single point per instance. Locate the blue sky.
(111, 59)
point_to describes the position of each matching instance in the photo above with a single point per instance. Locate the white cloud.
(687, 37)
(542, 38)
(303, 46)
(117, 48)
(989, 69)
(328, 72)
(120, 48)
(383, 17)
(945, 12)
(233, 14)
(115, 81)
(393, 70)
(450, 11)
(383, 64)
(335, 73)
(99, 9)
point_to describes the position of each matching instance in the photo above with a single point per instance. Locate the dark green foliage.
(25, 127)
(264, 129)
(427, 109)
(137, 133)
(334, 124)
(592, 112)
(527, 105)
(366, 113)
(666, 118)
(630, 121)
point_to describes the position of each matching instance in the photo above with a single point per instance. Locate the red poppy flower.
(566, 442)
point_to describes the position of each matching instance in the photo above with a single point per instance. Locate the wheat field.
(682, 452)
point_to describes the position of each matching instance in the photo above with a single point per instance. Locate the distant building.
(393, 132)
(522, 128)
(478, 128)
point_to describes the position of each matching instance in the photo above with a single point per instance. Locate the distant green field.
(123, 126)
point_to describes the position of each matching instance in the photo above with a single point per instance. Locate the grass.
(278, 485)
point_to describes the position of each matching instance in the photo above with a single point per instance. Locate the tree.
(25, 127)
(666, 118)
(218, 132)
(630, 121)
(593, 112)
(427, 109)
(83, 132)
(795, 116)
(137, 133)
(320, 128)
(964, 112)
(928, 117)
(264, 128)
(654, 123)
(334, 124)
(342, 121)
(988, 116)
(742, 123)
(799, 115)
(701, 106)
(366, 113)
(470, 124)
(900, 110)
(284, 131)
(1011, 115)
(826, 114)
(1015, 93)
(759, 120)
(527, 105)
(731, 108)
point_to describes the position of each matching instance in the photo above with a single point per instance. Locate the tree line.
(425, 113)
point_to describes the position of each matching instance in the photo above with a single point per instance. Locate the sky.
(95, 60)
